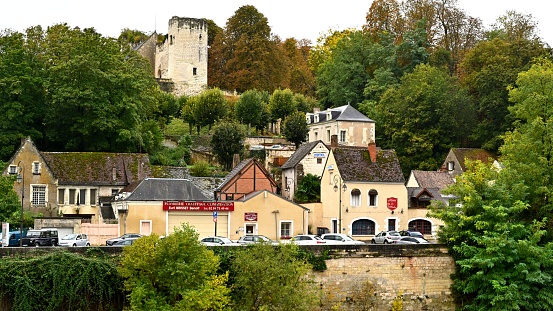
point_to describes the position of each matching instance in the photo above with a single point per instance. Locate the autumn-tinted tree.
(294, 128)
(246, 56)
(385, 16)
(301, 78)
(423, 117)
(226, 141)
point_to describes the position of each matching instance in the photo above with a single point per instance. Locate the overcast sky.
(288, 18)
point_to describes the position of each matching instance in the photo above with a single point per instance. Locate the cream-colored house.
(362, 192)
(309, 158)
(348, 124)
(158, 205)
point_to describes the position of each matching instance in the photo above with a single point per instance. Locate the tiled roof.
(342, 113)
(355, 164)
(96, 168)
(235, 171)
(299, 154)
(472, 154)
(170, 172)
(159, 189)
(433, 179)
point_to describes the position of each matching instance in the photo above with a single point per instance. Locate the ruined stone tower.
(181, 61)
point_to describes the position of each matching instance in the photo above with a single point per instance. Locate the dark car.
(125, 236)
(125, 242)
(42, 237)
(415, 234)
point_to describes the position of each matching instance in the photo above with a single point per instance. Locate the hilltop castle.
(180, 62)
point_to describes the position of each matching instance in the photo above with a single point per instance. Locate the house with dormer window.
(350, 126)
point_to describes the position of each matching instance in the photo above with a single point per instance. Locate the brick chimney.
(333, 141)
(372, 151)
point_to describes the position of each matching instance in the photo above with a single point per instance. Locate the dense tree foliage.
(9, 201)
(250, 106)
(226, 141)
(208, 107)
(281, 104)
(309, 189)
(423, 117)
(294, 128)
(173, 273)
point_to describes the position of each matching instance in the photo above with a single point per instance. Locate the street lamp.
(21, 180)
(338, 180)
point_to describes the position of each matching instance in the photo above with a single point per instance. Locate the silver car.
(218, 241)
(254, 239)
(386, 237)
(74, 240)
(308, 239)
(340, 239)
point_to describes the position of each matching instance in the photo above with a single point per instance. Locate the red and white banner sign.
(250, 216)
(199, 206)
(392, 203)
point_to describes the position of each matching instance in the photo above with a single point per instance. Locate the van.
(41, 237)
(13, 239)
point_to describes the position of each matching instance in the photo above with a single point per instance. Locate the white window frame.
(39, 198)
(146, 221)
(12, 170)
(36, 167)
(62, 201)
(342, 136)
(375, 198)
(290, 229)
(93, 198)
(355, 200)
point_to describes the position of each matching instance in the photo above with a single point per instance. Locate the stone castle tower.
(180, 63)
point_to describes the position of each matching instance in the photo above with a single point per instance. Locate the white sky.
(288, 18)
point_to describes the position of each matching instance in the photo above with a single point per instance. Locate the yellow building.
(362, 192)
(158, 205)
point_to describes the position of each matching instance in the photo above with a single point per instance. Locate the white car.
(218, 241)
(340, 239)
(308, 239)
(386, 237)
(74, 240)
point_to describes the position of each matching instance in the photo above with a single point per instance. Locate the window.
(355, 197)
(145, 227)
(72, 194)
(316, 118)
(36, 167)
(12, 170)
(38, 195)
(316, 136)
(373, 197)
(328, 116)
(342, 136)
(421, 225)
(114, 192)
(61, 196)
(92, 196)
(363, 227)
(308, 118)
(328, 135)
(194, 71)
(319, 161)
(450, 166)
(285, 228)
(230, 196)
(82, 197)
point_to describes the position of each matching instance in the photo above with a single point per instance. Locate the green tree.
(173, 273)
(250, 106)
(272, 278)
(9, 201)
(209, 107)
(309, 189)
(281, 104)
(294, 128)
(226, 141)
(423, 117)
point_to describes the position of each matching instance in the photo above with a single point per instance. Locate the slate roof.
(472, 154)
(96, 168)
(355, 164)
(160, 189)
(299, 154)
(342, 113)
(433, 179)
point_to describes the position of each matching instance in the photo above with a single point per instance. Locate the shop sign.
(250, 216)
(319, 155)
(392, 203)
(199, 206)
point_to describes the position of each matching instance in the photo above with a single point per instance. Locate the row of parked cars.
(49, 237)
(384, 237)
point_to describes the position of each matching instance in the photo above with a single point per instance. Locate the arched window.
(355, 197)
(373, 197)
(421, 225)
(362, 227)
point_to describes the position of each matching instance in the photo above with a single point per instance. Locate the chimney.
(372, 151)
(316, 109)
(333, 141)
(235, 160)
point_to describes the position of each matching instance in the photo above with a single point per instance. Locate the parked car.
(386, 237)
(218, 241)
(411, 233)
(41, 237)
(253, 239)
(340, 239)
(74, 240)
(13, 239)
(412, 240)
(110, 242)
(125, 242)
(308, 239)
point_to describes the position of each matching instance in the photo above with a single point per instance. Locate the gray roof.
(342, 113)
(299, 154)
(160, 189)
(433, 179)
(355, 165)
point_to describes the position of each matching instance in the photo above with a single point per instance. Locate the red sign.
(392, 203)
(200, 206)
(250, 216)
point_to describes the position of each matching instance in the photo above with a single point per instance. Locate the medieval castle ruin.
(180, 63)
